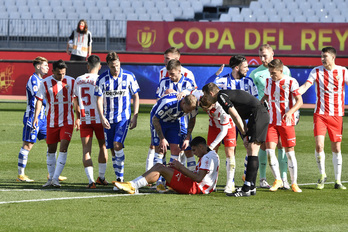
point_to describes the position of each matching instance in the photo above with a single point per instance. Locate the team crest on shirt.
(246, 87)
(124, 83)
(285, 87)
(35, 88)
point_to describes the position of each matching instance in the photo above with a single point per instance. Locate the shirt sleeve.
(312, 76)
(205, 163)
(40, 94)
(224, 101)
(71, 37)
(134, 86)
(98, 90)
(294, 87)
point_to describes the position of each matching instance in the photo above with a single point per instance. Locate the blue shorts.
(170, 130)
(30, 134)
(117, 133)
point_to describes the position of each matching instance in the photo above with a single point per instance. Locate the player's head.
(266, 54)
(114, 64)
(41, 65)
(59, 69)
(171, 53)
(199, 146)
(174, 70)
(275, 68)
(239, 64)
(210, 89)
(206, 103)
(82, 26)
(93, 62)
(328, 56)
(188, 103)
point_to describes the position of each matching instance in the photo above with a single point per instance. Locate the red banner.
(241, 38)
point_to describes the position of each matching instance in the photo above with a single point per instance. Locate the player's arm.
(237, 120)
(224, 122)
(77, 113)
(303, 88)
(190, 126)
(299, 102)
(195, 176)
(133, 122)
(38, 106)
(104, 121)
(163, 142)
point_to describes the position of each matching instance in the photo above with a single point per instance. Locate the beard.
(241, 75)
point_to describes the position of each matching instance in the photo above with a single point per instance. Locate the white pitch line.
(71, 198)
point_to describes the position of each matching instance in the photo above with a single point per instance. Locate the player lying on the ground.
(201, 181)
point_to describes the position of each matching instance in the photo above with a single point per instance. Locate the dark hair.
(111, 57)
(93, 61)
(329, 50)
(173, 64)
(276, 63)
(59, 64)
(39, 60)
(236, 61)
(84, 29)
(172, 50)
(210, 87)
(197, 141)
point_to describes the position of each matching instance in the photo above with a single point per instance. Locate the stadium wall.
(16, 68)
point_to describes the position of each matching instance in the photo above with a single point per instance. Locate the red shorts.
(183, 184)
(56, 134)
(86, 130)
(332, 124)
(286, 133)
(229, 140)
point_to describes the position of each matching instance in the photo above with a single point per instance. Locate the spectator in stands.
(80, 41)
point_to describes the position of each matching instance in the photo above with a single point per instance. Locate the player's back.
(84, 90)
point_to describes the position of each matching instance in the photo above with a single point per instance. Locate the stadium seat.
(132, 17)
(113, 4)
(225, 18)
(237, 18)
(325, 19)
(197, 6)
(26, 15)
(50, 15)
(128, 10)
(313, 19)
(156, 17)
(160, 4)
(274, 18)
(263, 18)
(144, 17)
(11, 8)
(120, 16)
(124, 4)
(300, 18)
(137, 5)
(287, 18)
(14, 15)
(168, 17)
(140, 10)
(233, 11)
(339, 19)
(152, 11)
(215, 3)
(4, 15)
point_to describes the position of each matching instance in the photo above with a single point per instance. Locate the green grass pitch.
(28, 207)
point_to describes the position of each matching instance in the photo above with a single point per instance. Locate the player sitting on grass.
(201, 181)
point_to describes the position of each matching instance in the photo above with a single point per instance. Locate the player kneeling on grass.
(284, 100)
(201, 181)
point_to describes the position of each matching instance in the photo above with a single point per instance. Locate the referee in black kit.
(243, 106)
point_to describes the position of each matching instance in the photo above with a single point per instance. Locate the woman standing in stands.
(80, 41)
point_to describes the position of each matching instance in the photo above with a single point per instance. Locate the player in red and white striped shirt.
(200, 181)
(281, 92)
(222, 128)
(57, 90)
(88, 120)
(329, 80)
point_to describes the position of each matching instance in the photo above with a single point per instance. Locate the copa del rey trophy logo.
(146, 37)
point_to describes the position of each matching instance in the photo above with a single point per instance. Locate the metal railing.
(52, 34)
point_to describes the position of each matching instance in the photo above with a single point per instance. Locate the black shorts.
(77, 58)
(258, 125)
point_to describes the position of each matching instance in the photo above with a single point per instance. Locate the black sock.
(251, 172)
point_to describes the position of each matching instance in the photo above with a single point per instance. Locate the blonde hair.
(39, 60)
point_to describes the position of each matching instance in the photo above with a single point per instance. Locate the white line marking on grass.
(71, 198)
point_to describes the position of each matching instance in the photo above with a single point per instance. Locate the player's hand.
(179, 96)
(133, 122)
(69, 52)
(219, 71)
(105, 123)
(163, 145)
(77, 124)
(287, 117)
(168, 91)
(185, 144)
(35, 123)
(176, 164)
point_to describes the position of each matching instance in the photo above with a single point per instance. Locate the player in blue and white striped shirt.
(165, 123)
(29, 133)
(114, 90)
